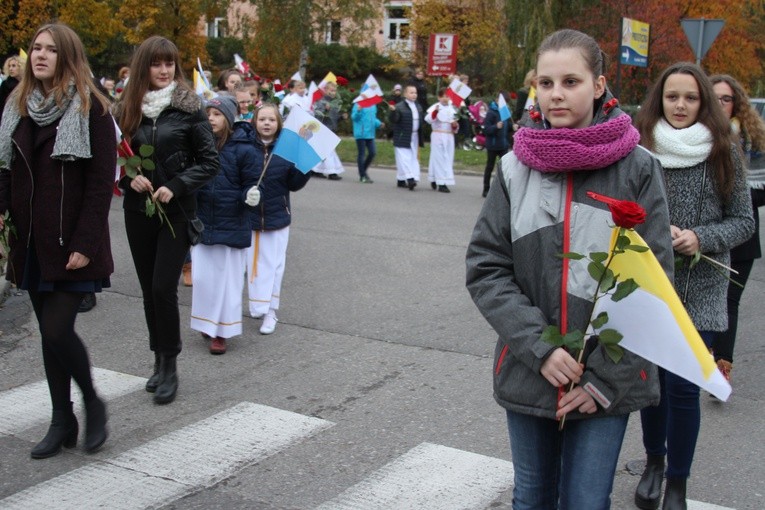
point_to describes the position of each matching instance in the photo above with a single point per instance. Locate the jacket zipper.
(61, 210)
(31, 196)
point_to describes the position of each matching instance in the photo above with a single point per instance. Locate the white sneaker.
(269, 323)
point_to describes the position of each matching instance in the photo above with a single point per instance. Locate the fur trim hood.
(184, 99)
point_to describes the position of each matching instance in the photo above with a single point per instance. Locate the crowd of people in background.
(217, 193)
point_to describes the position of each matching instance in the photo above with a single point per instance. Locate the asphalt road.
(379, 350)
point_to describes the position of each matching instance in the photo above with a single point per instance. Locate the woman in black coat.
(57, 145)
(157, 108)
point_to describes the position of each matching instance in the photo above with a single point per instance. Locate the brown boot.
(187, 274)
(725, 367)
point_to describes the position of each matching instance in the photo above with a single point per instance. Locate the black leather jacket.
(184, 154)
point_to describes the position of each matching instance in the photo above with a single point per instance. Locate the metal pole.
(701, 41)
(618, 84)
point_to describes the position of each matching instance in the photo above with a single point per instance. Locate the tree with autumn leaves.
(498, 39)
(737, 51)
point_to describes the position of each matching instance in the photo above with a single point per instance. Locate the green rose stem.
(598, 295)
(134, 166)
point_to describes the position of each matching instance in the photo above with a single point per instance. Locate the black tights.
(64, 355)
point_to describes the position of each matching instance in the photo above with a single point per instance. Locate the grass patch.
(463, 160)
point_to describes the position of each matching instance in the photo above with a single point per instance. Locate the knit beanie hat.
(227, 106)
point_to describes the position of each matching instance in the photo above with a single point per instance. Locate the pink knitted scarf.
(565, 150)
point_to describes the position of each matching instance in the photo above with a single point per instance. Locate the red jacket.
(65, 203)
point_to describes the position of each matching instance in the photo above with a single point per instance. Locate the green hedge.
(347, 61)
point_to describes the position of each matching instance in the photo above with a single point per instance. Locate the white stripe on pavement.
(698, 505)
(29, 405)
(429, 477)
(178, 463)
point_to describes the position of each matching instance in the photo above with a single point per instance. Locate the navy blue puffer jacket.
(220, 202)
(273, 212)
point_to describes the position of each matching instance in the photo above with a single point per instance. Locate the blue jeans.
(672, 427)
(567, 470)
(365, 145)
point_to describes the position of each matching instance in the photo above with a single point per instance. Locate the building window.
(332, 34)
(216, 28)
(396, 23)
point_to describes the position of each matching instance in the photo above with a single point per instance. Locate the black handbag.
(195, 228)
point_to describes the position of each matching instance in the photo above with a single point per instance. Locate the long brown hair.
(751, 122)
(153, 49)
(71, 67)
(710, 115)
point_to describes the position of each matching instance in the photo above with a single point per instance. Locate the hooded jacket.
(184, 154)
(274, 212)
(496, 138)
(220, 202)
(516, 279)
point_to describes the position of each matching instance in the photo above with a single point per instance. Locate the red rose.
(513, 96)
(352, 90)
(342, 81)
(625, 214)
(392, 102)
(278, 87)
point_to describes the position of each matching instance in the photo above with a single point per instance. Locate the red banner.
(442, 54)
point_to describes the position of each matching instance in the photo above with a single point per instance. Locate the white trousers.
(331, 165)
(407, 162)
(441, 163)
(266, 257)
(216, 302)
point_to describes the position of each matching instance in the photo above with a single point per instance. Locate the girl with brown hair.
(158, 108)
(682, 124)
(57, 147)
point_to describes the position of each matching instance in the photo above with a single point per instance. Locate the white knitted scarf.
(681, 148)
(154, 101)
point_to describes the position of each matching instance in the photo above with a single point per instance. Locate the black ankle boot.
(95, 425)
(648, 492)
(674, 497)
(168, 380)
(153, 382)
(62, 432)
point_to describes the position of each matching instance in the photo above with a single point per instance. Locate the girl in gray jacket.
(577, 141)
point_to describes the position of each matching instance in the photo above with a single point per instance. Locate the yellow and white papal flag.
(654, 322)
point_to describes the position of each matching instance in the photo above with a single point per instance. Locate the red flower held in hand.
(625, 214)
(342, 81)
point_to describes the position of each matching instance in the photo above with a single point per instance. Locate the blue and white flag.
(504, 111)
(305, 141)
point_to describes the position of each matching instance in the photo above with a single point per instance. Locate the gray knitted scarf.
(73, 133)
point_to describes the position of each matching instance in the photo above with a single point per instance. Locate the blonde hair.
(20, 61)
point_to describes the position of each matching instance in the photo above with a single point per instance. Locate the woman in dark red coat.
(57, 145)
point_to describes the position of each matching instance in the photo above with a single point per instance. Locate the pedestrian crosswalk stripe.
(181, 462)
(427, 477)
(698, 505)
(29, 405)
